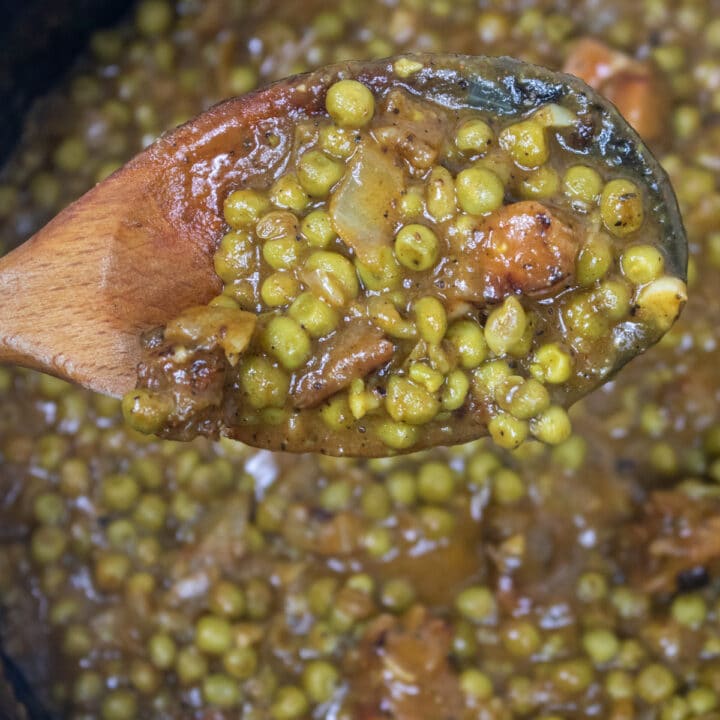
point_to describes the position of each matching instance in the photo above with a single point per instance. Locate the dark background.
(38, 41)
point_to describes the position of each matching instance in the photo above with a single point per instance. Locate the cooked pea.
(318, 172)
(435, 482)
(552, 364)
(457, 385)
(49, 508)
(316, 317)
(383, 274)
(150, 512)
(522, 398)
(621, 207)
(338, 142)
(440, 189)
(153, 17)
(320, 680)
(477, 603)
(582, 183)
(162, 650)
(191, 666)
(317, 228)
(290, 702)
(689, 610)
(582, 317)
(476, 684)
(350, 103)
(655, 683)
(552, 426)
(642, 263)
(508, 487)
(479, 190)
(332, 277)
(431, 319)
(145, 410)
(416, 247)
(213, 635)
(594, 260)
(284, 339)
(234, 256)
(221, 691)
(282, 253)
(279, 289)
(244, 207)
(540, 184)
(119, 705)
(288, 193)
(438, 523)
(474, 136)
(526, 143)
(227, 599)
(507, 431)
(505, 326)
(660, 302)
(240, 663)
(521, 638)
(120, 492)
(264, 384)
(375, 502)
(468, 339)
(407, 402)
(601, 645)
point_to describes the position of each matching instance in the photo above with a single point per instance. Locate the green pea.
(153, 17)
(264, 384)
(477, 604)
(621, 207)
(316, 317)
(213, 635)
(474, 137)
(435, 482)
(146, 411)
(49, 508)
(350, 103)
(162, 651)
(505, 326)
(227, 599)
(282, 253)
(521, 638)
(402, 488)
(416, 247)
(467, 338)
(431, 319)
(407, 402)
(150, 512)
(111, 571)
(244, 207)
(479, 190)
(689, 610)
(221, 691)
(438, 523)
(278, 289)
(507, 431)
(284, 339)
(552, 426)
(594, 260)
(318, 172)
(190, 666)
(540, 184)
(397, 595)
(526, 143)
(522, 398)
(582, 183)
(375, 502)
(240, 663)
(332, 277)
(440, 194)
(642, 263)
(552, 364)
(382, 274)
(476, 684)
(119, 705)
(316, 227)
(457, 385)
(320, 681)
(288, 193)
(397, 435)
(120, 492)
(88, 687)
(655, 683)
(290, 702)
(601, 645)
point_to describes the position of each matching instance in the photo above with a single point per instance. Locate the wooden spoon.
(137, 249)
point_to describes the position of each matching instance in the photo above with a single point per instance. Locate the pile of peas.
(372, 232)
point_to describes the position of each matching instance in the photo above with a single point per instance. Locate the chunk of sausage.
(354, 352)
(634, 87)
(520, 248)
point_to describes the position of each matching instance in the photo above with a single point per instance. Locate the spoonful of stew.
(372, 258)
